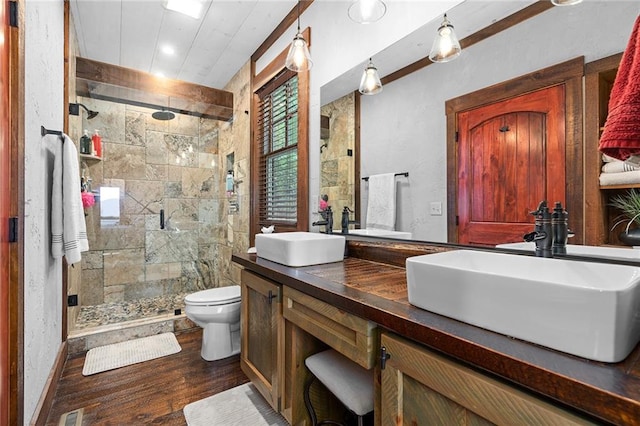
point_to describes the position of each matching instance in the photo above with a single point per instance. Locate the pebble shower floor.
(117, 312)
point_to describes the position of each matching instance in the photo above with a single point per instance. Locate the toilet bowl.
(217, 311)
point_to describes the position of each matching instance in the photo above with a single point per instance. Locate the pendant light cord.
(298, 16)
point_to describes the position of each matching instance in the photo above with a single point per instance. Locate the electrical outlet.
(435, 208)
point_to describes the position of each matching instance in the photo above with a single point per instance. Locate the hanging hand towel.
(381, 206)
(621, 135)
(68, 228)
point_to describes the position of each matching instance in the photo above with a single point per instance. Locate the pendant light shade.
(370, 83)
(298, 58)
(565, 2)
(367, 11)
(446, 46)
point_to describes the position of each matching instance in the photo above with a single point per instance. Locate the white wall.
(44, 38)
(403, 128)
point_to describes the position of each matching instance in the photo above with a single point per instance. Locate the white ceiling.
(208, 51)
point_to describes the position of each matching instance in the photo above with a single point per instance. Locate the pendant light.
(565, 2)
(367, 11)
(370, 83)
(299, 58)
(446, 46)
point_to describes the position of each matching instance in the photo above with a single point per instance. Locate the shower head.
(91, 114)
(74, 109)
(163, 115)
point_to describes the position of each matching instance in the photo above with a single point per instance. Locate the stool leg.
(360, 421)
(311, 411)
(307, 401)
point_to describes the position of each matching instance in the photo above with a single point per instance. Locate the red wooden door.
(5, 191)
(511, 155)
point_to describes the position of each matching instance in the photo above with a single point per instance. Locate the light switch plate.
(435, 208)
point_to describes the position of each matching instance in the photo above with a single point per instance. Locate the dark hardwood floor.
(153, 392)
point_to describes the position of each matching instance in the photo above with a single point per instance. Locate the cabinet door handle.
(271, 296)
(161, 218)
(384, 356)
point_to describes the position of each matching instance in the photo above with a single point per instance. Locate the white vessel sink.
(381, 233)
(586, 309)
(619, 253)
(300, 248)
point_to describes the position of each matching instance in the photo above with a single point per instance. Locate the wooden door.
(5, 212)
(261, 357)
(511, 156)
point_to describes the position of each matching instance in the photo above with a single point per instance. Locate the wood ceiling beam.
(100, 80)
(480, 35)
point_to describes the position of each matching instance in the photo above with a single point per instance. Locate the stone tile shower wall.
(171, 165)
(337, 168)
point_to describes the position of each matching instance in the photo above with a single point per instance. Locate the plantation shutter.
(277, 140)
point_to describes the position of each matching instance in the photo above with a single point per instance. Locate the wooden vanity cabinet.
(352, 336)
(262, 330)
(422, 387)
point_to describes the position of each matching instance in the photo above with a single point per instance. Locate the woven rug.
(110, 357)
(239, 406)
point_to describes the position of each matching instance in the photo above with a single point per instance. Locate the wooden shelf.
(624, 186)
(90, 157)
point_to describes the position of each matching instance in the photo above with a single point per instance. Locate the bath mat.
(239, 406)
(110, 357)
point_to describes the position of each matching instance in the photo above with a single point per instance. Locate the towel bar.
(44, 131)
(405, 174)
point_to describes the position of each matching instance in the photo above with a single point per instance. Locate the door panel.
(5, 211)
(511, 155)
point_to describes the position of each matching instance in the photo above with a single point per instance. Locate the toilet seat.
(214, 296)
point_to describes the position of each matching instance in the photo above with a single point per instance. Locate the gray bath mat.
(110, 357)
(239, 406)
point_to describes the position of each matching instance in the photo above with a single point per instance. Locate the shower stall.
(156, 228)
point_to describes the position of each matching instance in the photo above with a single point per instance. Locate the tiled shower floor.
(118, 312)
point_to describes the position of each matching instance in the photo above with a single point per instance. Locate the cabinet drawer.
(350, 335)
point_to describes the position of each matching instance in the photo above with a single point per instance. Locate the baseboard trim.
(45, 403)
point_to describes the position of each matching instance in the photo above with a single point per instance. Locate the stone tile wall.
(171, 165)
(336, 167)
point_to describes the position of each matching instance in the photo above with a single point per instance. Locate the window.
(279, 147)
(279, 184)
(278, 155)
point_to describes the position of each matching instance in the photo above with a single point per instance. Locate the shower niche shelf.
(90, 157)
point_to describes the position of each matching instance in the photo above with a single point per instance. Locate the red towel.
(621, 135)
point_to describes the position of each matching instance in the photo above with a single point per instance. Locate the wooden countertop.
(378, 292)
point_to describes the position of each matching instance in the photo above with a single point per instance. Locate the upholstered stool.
(348, 381)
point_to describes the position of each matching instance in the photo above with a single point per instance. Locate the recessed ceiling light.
(191, 8)
(167, 50)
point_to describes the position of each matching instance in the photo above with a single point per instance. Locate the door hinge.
(13, 229)
(457, 136)
(13, 14)
(384, 356)
(72, 300)
(457, 220)
(279, 405)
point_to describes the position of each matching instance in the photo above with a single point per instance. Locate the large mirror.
(404, 128)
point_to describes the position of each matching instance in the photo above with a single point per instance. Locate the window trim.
(260, 80)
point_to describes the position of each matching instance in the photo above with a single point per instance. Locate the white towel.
(623, 178)
(381, 207)
(618, 167)
(68, 228)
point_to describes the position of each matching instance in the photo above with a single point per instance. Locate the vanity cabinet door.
(262, 354)
(421, 387)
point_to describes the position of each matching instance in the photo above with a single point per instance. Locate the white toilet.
(217, 311)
